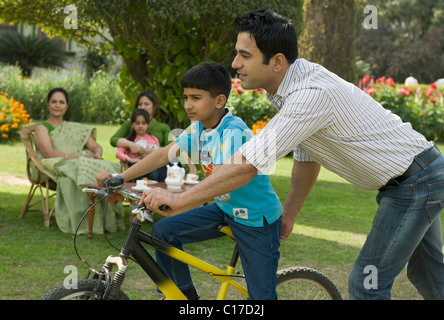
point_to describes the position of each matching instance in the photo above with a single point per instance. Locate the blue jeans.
(258, 247)
(406, 231)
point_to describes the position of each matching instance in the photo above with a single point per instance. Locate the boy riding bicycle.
(252, 211)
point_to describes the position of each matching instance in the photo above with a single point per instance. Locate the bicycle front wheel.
(86, 289)
(299, 283)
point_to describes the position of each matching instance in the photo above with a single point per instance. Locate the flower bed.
(13, 117)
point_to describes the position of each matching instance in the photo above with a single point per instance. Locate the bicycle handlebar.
(115, 185)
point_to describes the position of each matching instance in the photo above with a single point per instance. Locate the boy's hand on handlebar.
(101, 177)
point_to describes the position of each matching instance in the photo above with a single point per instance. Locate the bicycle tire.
(86, 289)
(300, 283)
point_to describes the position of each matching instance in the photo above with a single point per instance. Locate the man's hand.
(156, 197)
(287, 227)
(102, 176)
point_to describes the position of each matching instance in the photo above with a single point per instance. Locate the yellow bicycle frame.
(225, 276)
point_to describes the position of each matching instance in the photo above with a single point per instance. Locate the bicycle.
(293, 283)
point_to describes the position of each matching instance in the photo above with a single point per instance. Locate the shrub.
(249, 105)
(13, 116)
(98, 99)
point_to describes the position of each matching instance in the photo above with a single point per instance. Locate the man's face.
(249, 63)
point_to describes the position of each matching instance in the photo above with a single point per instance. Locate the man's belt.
(419, 162)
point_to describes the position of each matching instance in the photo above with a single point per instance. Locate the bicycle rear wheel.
(87, 289)
(299, 283)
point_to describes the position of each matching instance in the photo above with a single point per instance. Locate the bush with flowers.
(252, 106)
(13, 117)
(95, 100)
(422, 106)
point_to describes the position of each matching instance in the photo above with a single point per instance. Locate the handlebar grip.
(114, 182)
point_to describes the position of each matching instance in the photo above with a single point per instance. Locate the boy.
(253, 211)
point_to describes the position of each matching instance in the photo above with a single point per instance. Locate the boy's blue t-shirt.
(249, 204)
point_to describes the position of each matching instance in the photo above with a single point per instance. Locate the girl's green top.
(159, 129)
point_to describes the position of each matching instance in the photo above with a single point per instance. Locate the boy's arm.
(231, 175)
(153, 161)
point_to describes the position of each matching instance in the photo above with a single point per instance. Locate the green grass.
(328, 234)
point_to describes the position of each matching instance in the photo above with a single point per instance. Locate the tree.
(29, 52)
(328, 36)
(408, 40)
(158, 40)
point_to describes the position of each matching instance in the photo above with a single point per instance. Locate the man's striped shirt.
(325, 119)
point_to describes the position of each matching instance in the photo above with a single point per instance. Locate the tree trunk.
(328, 36)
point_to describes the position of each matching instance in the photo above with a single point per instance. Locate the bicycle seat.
(225, 228)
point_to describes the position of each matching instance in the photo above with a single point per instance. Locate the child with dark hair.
(140, 120)
(253, 211)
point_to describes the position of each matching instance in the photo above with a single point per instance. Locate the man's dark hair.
(273, 33)
(208, 76)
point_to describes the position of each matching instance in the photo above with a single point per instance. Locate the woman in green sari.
(69, 152)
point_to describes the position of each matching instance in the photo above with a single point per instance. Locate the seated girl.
(140, 120)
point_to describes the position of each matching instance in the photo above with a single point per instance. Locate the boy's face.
(249, 64)
(200, 106)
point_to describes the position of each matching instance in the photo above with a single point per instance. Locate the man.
(330, 122)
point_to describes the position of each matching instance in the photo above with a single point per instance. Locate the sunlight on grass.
(342, 237)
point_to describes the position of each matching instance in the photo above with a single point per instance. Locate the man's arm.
(303, 177)
(227, 177)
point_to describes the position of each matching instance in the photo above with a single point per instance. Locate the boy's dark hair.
(273, 33)
(208, 76)
(134, 115)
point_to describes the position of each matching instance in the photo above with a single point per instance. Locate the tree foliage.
(158, 40)
(408, 40)
(29, 52)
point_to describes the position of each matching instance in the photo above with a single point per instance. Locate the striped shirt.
(325, 119)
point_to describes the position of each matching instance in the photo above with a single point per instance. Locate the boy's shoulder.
(231, 121)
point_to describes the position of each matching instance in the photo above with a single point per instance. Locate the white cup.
(192, 177)
(141, 183)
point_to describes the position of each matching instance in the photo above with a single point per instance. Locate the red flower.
(433, 85)
(371, 91)
(365, 79)
(429, 92)
(380, 80)
(390, 82)
(404, 91)
(239, 90)
(432, 100)
(235, 83)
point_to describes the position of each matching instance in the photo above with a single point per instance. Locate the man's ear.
(278, 62)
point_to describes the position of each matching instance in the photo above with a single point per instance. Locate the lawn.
(328, 235)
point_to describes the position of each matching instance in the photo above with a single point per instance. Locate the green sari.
(71, 174)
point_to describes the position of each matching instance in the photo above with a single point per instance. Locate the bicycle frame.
(164, 283)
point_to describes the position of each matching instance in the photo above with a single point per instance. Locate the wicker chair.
(38, 177)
